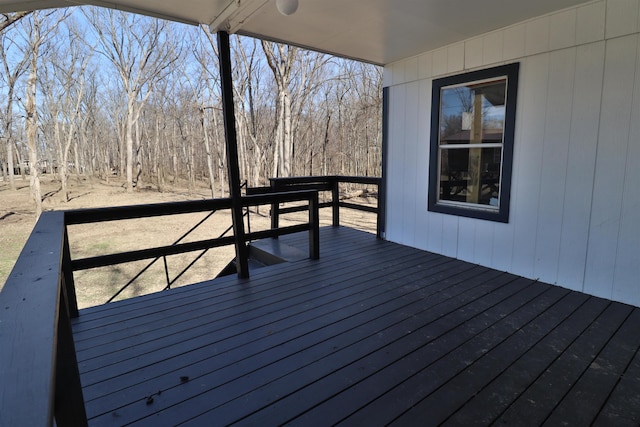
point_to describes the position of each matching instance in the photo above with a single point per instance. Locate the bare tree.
(12, 72)
(298, 75)
(202, 93)
(248, 83)
(208, 59)
(158, 120)
(31, 124)
(139, 49)
(8, 19)
(65, 94)
(31, 111)
(43, 26)
(281, 59)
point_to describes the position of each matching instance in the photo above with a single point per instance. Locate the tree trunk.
(76, 159)
(122, 149)
(287, 136)
(222, 166)
(32, 120)
(9, 138)
(207, 148)
(157, 158)
(138, 158)
(10, 165)
(129, 146)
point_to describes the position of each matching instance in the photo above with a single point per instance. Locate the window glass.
(472, 143)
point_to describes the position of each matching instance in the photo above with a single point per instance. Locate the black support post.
(232, 153)
(314, 231)
(69, 401)
(275, 209)
(335, 200)
(69, 284)
(382, 187)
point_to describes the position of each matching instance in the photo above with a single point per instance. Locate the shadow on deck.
(372, 333)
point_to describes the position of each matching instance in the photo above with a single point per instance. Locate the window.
(472, 128)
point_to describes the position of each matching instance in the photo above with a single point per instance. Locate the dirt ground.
(98, 286)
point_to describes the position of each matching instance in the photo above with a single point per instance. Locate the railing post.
(379, 216)
(314, 231)
(335, 201)
(382, 186)
(69, 401)
(226, 77)
(275, 210)
(67, 272)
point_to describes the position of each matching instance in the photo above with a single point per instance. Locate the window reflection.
(473, 113)
(458, 167)
(470, 140)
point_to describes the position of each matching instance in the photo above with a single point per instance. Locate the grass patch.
(100, 247)
(11, 243)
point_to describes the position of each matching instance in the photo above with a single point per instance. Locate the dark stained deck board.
(274, 300)
(513, 379)
(371, 333)
(600, 378)
(307, 365)
(430, 376)
(239, 353)
(445, 365)
(274, 287)
(623, 406)
(381, 363)
(538, 402)
(351, 245)
(237, 330)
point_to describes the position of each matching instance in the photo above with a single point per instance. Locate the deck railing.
(325, 184)
(39, 378)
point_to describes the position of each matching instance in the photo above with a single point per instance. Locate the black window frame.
(510, 71)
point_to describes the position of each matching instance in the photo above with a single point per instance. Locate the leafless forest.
(102, 93)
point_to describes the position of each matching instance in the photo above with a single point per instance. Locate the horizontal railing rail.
(202, 252)
(96, 215)
(323, 183)
(114, 213)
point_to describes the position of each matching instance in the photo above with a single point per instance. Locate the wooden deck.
(373, 333)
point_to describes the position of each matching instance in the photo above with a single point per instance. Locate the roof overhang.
(375, 31)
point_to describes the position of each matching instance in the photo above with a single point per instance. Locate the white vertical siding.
(585, 115)
(555, 152)
(395, 157)
(483, 245)
(528, 148)
(626, 279)
(537, 36)
(473, 53)
(590, 23)
(440, 61)
(563, 29)
(622, 17)
(410, 167)
(420, 189)
(514, 42)
(575, 201)
(466, 244)
(613, 143)
(455, 58)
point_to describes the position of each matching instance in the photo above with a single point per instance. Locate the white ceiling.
(376, 31)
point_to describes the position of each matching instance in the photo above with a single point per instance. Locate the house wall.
(575, 201)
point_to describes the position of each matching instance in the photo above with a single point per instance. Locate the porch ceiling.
(376, 31)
